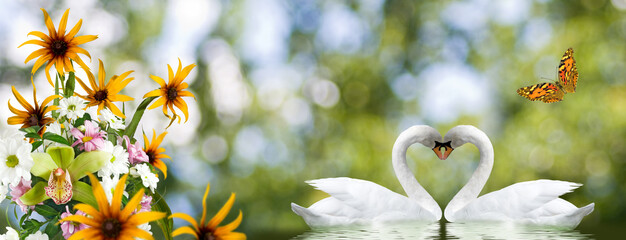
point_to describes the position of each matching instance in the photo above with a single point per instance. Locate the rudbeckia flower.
(111, 221)
(57, 47)
(171, 93)
(102, 95)
(210, 230)
(33, 116)
(154, 152)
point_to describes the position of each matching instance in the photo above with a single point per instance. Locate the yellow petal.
(132, 204)
(87, 233)
(158, 80)
(144, 217)
(153, 93)
(180, 104)
(63, 23)
(229, 227)
(158, 102)
(116, 110)
(206, 194)
(81, 219)
(51, 31)
(217, 219)
(161, 166)
(79, 50)
(116, 202)
(22, 101)
(120, 98)
(184, 230)
(184, 73)
(40, 61)
(187, 218)
(36, 42)
(136, 233)
(74, 30)
(41, 35)
(83, 39)
(89, 210)
(98, 192)
(233, 236)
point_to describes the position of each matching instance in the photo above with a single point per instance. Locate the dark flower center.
(111, 228)
(207, 236)
(33, 120)
(150, 157)
(58, 47)
(172, 94)
(101, 95)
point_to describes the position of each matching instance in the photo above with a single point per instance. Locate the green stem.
(132, 126)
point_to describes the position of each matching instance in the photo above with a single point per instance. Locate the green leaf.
(55, 138)
(33, 129)
(52, 229)
(36, 145)
(43, 165)
(88, 162)
(35, 195)
(31, 225)
(69, 85)
(46, 211)
(82, 120)
(82, 192)
(62, 155)
(166, 224)
(32, 135)
(132, 126)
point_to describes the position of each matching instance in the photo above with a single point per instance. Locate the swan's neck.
(477, 181)
(408, 181)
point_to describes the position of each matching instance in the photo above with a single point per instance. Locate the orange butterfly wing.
(568, 74)
(546, 92)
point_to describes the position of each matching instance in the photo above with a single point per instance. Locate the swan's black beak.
(447, 149)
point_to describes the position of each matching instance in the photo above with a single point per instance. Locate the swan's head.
(459, 135)
(422, 134)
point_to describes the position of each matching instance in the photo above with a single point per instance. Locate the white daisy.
(114, 121)
(118, 164)
(3, 192)
(72, 108)
(37, 236)
(15, 160)
(148, 178)
(11, 234)
(12, 133)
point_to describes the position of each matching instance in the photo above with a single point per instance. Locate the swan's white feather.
(358, 201)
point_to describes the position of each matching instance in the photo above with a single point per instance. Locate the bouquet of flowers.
(75, 161)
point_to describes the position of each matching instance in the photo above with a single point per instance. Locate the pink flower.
(69, 227)
(146, 201)
(92, 139)
(17, 191)
(135, 152)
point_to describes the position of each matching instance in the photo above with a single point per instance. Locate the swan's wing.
(369, 199)
(521, 199)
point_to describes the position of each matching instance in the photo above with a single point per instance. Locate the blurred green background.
(293, 90)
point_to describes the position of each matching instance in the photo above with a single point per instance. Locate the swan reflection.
(422, 230)
(405, 230)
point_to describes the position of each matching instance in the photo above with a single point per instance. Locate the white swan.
(534, 202)
(355, 201)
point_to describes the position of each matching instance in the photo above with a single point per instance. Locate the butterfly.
(554, 92)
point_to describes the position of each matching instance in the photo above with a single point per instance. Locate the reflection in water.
(507, 230)
(408, 230)
(420, 230)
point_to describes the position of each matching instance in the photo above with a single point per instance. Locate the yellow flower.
(104, 95)
(109, 221)
(33, 116)
(154, 152)
(210, 229)
(172, 92)
(58, 47)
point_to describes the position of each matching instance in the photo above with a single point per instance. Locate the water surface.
(421, 230)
